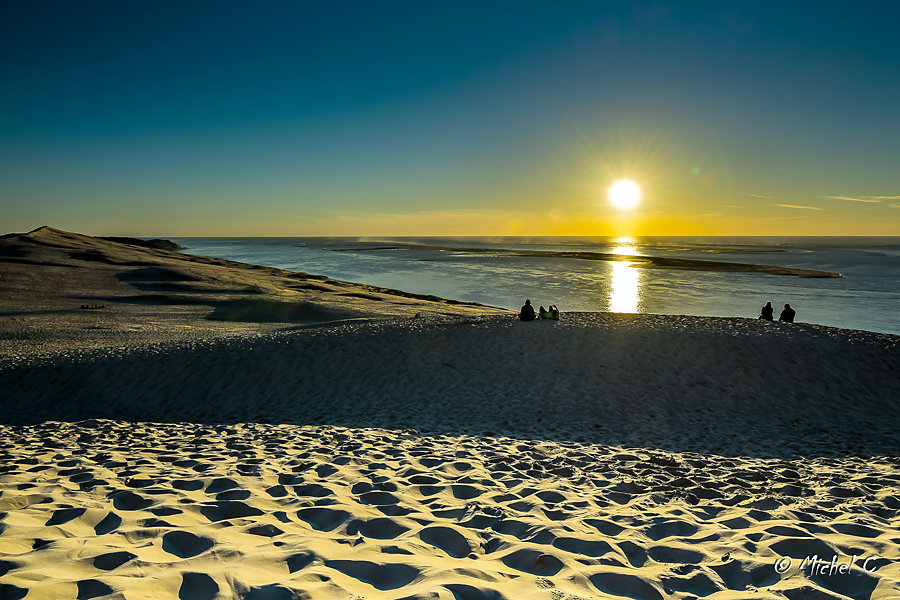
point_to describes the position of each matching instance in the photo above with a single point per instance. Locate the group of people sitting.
(768, 313)
(527, 312)
(552, 313)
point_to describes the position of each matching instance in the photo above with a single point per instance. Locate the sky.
(449, 118)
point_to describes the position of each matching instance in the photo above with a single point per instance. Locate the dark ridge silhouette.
(157, 243)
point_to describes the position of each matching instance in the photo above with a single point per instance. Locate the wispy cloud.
(897, 205)
(759, 196)
(870, 199)
(800, 206)
(734, 206)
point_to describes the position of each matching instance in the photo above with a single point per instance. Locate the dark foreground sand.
(329, 443)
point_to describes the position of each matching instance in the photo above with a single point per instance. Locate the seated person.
(554, 312)
(787, 315)
(527, 312)
(767, 313)
(543, 314)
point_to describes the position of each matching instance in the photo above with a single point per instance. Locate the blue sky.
(396, 118)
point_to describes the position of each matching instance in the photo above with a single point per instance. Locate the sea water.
(867, 296)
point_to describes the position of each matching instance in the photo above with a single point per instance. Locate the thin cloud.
(800, 206)
(734, 206)
(869, 199)
(895, 205)
(759, 196)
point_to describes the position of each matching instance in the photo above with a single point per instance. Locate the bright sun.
(624, 194)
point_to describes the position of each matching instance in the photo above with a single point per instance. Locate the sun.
(624, 194)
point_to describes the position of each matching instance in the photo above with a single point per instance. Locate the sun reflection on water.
(625, 284)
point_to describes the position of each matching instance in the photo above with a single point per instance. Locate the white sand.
(459, 455)
(158, 511)
(220, 511)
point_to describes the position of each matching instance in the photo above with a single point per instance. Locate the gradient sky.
(451, 118)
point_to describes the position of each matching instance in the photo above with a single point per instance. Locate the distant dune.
(151, 292)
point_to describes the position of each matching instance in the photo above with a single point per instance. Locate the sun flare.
(624, 194)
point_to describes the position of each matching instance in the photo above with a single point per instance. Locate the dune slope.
(151, 292)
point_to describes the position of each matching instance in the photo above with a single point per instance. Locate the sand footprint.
(447, 539)
(593, 548)
(462, 591)
(389, 576)
(222, 510)
(265, 530)
(627, 585)
(299, 561)
(128, 500)
(108, 524)
(465, 492)
(221, 484)
(380, 528)
(197, 586)
(698, 584)
(533, 561)
(185, 544)
(672, 554)
(273, 591)
(322, 519)
(64, 515)
(665, 528)
(92, 588)
(112, 560)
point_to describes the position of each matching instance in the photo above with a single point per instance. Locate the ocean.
(493, 271)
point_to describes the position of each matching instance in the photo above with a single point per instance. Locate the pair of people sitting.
(551, 313)
(527, 312)
(768, 313)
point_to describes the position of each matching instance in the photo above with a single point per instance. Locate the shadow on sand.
(787, 393)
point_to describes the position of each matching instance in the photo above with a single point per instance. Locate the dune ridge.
(151, 292)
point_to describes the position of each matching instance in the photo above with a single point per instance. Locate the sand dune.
(723, 385)
(151, 292)
(222, 430)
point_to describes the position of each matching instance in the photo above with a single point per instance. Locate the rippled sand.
(281, 511)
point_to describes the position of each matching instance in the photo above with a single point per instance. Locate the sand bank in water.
(639, 261)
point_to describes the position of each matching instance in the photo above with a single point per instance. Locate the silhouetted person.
(554, 312)
(767, 312)
(527, 312)
(787, 315)
(543, 314)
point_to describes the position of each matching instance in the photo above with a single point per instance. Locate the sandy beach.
(221, 430)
